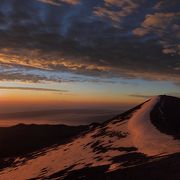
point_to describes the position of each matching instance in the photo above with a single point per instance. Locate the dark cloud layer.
(105, 38)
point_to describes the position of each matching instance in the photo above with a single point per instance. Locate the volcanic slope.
(132, 145)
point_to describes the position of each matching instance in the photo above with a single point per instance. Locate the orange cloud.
(55, 61)
(126, 7)
(50, 61)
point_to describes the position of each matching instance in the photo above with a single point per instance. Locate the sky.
(87, 53)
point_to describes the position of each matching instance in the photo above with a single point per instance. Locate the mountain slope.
(128, 143)
(34, 137)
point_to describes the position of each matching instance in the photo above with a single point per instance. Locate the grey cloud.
(72, 38)
(59, 2)
(32, 89)
(141, 96)
(165, 26)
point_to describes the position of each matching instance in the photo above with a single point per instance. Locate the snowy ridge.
(110, 144)
(146, 137)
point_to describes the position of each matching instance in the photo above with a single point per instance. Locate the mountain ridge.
(128, 143)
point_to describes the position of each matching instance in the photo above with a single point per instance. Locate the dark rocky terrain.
(23, 140)
(165, 115)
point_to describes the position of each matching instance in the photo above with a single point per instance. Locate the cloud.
(164, 26)
(141, 96)
(13, 73)
(82, 40)
(31, 89)
(60, 2)
(116, 10)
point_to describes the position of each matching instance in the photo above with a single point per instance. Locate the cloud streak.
(32, 89)
(141, 96)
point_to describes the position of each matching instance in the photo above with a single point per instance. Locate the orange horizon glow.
(23, 100)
